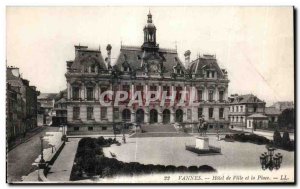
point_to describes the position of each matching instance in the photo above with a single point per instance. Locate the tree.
(286, 119)
(286, 140)
(277, 138)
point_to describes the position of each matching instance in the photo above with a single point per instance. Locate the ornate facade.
(143, 68)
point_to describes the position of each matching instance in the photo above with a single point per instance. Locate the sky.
(254, 44)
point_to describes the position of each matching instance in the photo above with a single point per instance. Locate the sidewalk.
(19, 140)
(50, 139)
(62, 167)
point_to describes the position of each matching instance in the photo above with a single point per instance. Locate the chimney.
(108, 60)
(187, 55)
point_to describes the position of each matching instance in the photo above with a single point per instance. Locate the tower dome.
(149, 34)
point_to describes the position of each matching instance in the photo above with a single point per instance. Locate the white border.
(4, 3)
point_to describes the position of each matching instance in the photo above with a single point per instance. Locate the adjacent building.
(282, 105)
(143, 68)
(46, 101)
(246, 112)
(273, 114)
(14, 112)
(60, 109)
(21, 103)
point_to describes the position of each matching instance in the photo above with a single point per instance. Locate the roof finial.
(149, 17)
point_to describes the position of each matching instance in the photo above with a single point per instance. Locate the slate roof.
(206, 61)
(47, 96)
(87, 56)
(62, 100)
(243, 99)
(257, 116)
(272, 111)
(134, 57)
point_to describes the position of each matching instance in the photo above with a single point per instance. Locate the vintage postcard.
(169, 95)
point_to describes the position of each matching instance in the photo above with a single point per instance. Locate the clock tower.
(150, 35)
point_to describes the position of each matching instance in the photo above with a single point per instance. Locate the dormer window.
(207, 74)
(213, 74)
(126, 69)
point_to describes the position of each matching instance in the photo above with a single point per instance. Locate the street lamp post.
(269, 160)
(42, 161)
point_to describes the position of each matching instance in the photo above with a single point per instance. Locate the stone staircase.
(158, 130)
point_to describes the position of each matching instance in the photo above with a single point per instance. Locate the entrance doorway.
(166, 116)
(153, 116)
(179, 116)
(140, 116)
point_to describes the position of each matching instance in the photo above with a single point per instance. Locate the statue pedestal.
(202, 142)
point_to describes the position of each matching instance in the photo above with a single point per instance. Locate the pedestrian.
(124, 139)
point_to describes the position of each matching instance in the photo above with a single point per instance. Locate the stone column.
(145, 92)
(131, 91)
(205, 94)
(216, 95)
(83, 113)
(216, 113)
(159, 116)
(159, 92)
(132, 117)
(146, 115)
(172, 116)
(184, 114)
(82, 92)
(96, 92)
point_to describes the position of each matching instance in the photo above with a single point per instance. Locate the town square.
(154, 95)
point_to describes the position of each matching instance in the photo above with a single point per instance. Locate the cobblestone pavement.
(20, 159)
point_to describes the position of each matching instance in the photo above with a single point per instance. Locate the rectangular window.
(104, 89)
(90, 113)
(178, 93)
(242, 108)
(103, 113)
(116, 113)
(167, 89)
(200, 95)
(104, 128)
(211, 95)
(76, 128)
(75, 94)
(76, 112)
(211, 112)
(221, 113)
(200, 112)
(213, 74)
(237, 108)
(90, 128)
(153, 89)
(207, 74)
(89, 93)
(221, 96)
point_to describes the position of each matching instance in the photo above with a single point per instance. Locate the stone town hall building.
(143, 68)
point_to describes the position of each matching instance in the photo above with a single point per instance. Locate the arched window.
(126, 115)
